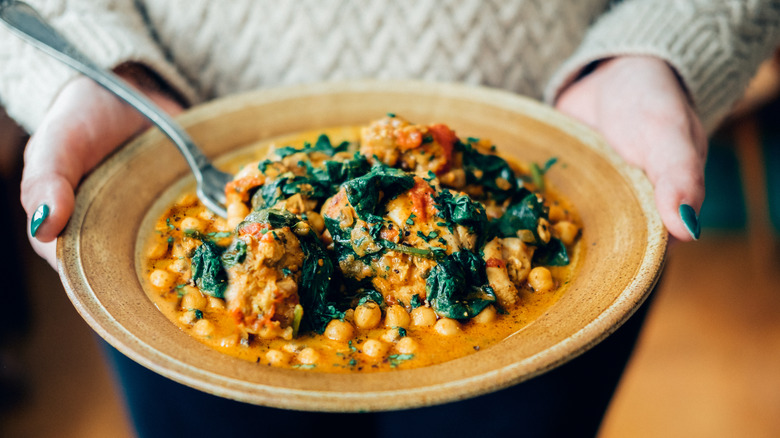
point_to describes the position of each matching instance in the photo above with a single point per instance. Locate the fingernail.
(691, 221)
(40, 215)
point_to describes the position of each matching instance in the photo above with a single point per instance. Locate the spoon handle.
(28, 24)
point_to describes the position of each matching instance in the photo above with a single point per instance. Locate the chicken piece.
(262, 290)
(497, 274)
(517, 256)
(416, 148)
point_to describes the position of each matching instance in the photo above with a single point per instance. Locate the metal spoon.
(23, 20)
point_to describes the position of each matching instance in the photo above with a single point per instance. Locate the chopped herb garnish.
(397, 359)
(410, 221)
(219, 234)
(305, 366)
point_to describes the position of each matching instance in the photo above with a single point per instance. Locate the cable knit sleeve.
(715, 46)
(110, 32)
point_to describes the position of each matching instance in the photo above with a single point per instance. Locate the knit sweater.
(206, 49)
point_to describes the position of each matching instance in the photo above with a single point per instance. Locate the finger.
(676, 169)
(83, 125)
(47, 250)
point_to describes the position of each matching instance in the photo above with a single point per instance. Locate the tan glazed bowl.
(623, 235)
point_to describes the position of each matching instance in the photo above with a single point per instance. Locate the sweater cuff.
(115, 35)
(714, 49)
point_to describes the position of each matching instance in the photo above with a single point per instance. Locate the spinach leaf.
(315, 285)
(334, 173)
(319, 183)
(457, 287)
(552, 254)
(382, 183)
(524, 215)
(286, 185)
(416, 301)
(207, 270)
(462, 210)
(275, 217)
(370, 295)
(537, 173)
(234, 254)
(323, 145)
(490, 171)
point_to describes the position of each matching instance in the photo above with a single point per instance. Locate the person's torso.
(227, 47)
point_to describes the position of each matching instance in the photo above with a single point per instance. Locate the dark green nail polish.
(688, 216)
(40, 215)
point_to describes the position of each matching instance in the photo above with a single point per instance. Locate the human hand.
(641, 109)
(84, 125)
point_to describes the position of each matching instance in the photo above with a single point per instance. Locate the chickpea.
(367, 315)
(396, 316)
(179, 266)
(423, 317)
(540, 279)
(292, 348)
(187, 200)
(338, 330)
(391, 335)
(374, 348)
(557, 213)
(566, 231)
(188, 317)
(543, 230)
(447, 327)
(162, 279)
(277, 358)
(216, 303)
(157, 249)
(308, 356)
(190, 223)
(302, 228)
(454, 178)
(316, 221)
(203, 328)
(494, 211)
(229, 340)
(207, 215)
(193, 299)
(486, 316)
(236, 212)
(406, 345)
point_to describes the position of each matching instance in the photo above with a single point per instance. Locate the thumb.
(47, 193)
(676, 169)
(84, 124)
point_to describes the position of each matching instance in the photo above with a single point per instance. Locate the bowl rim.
(88, 304)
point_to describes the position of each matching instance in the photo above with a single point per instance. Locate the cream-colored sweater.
(206, 48)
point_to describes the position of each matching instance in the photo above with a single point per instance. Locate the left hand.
(640, 107)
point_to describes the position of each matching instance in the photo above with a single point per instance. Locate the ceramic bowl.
(623, 234)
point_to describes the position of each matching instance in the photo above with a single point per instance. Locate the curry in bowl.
(381, 247)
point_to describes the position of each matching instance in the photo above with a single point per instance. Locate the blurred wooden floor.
(708, 363)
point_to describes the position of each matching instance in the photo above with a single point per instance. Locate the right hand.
(84, 125)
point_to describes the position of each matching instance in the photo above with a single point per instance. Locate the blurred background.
(707, 365)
